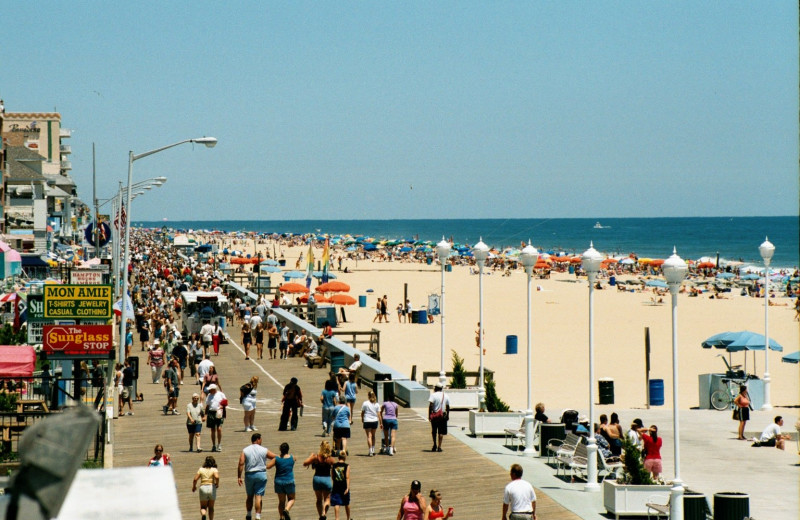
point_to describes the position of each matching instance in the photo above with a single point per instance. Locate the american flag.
(119, 221)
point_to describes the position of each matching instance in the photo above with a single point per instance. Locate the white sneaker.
(248, 429)
(253, 428)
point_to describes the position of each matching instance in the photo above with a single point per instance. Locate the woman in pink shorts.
(652, 448)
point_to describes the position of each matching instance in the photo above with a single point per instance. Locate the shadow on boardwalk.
(469, 482)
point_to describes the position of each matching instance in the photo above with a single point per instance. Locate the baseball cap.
(211, 387)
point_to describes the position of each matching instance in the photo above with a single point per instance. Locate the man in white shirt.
(206, 333)
(519, 497)
(438, 413)
(772, 436)
(255, 320)
(215, 411)
(202, 369)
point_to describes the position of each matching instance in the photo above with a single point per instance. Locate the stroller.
(570, 420)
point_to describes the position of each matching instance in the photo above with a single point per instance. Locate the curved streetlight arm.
(210, 142)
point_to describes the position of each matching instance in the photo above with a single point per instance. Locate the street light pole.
(481, 252)
(591, 261)
(210, 142)
(766, 250)
(443, 252)
(528, 256)
(674, 269)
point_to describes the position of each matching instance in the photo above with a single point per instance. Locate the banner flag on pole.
(310, 265)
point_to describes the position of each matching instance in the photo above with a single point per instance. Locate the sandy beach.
(560, 332)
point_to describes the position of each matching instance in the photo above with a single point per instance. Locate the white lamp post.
(590, 261)
(674, 269)
(480, 251)
(443, 252)
(766, 250)
(528, 256)
(210, 142)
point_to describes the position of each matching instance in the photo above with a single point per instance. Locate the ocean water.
(733, 238)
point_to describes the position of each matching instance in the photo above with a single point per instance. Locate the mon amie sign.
(77, 302)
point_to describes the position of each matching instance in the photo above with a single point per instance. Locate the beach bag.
(736, 414)
(438, 414)
(220, 413)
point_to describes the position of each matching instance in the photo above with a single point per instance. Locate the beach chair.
(566, 452)
(320, 359)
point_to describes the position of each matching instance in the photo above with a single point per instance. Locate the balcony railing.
(66, 149)
(66, 165)
(65, 133)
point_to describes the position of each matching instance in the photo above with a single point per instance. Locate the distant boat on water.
(598, 225)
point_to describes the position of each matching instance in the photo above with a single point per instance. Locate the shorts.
(653, 466)
(772, 442)
(351, 400)
(194, 428)
(372, 425)
(208, 492)
(174, 392)
(322, 483)
(340, 499)
(286, 488)
(127, 392)
(255, 483)
(439, 426)
(341, 433)
(284, 345)
(212, 421)
(390, 424)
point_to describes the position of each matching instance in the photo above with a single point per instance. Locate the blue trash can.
(429, 260)
(422, 317)
(362, 300)
(448, 268)
(511, 344)
(656, 392)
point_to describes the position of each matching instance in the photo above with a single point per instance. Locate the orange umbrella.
(293, 288)
(342, 299)
(610, 261)
(541, 264)
(318, 297)
(334, 286)
(706, 265)
(657, 262)
(576, 260)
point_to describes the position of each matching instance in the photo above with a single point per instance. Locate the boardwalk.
(470, 483)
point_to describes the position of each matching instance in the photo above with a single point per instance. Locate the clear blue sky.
(370, 110)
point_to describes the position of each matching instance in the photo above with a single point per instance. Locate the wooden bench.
(320, 359)
(31, 405)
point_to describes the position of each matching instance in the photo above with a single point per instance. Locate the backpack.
(244, 391)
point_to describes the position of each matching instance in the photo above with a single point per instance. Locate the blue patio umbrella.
(269, 268)
(726, 276)
(794, 357)
(656, 283)
(751, 276)
(293, 274)
(739, 341)
(269, 261)
(318, 274)
(405, 249)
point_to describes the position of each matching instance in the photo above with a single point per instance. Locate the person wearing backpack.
(247, 397)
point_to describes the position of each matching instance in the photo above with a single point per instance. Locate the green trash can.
(695, 505)
(337, 361)
(606, 390)
(548, 432)
(731, 506)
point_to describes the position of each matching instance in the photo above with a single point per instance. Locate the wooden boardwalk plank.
(468, 482)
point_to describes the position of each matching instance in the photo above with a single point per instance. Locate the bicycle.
(723, 399)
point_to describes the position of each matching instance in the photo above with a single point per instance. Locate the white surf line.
(230, 340)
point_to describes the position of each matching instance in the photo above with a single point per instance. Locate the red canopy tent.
(17, 360)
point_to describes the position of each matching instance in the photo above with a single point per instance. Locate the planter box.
(628, 500)
(463, 398)
(493, 423)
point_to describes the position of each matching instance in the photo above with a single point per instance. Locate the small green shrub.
(633, 469)
(493, 402)
(8, 402)
(459, 379)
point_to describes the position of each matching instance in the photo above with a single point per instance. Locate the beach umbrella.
(269, 261)
(726, 276)
(269, 268)
(751, 276)
(794, 357)
(333, 287)
(342, 299)
(318, 274)
(657, 262)
(293, 274)
(656, 283)
(627, 261)
(706, 265)
(317, 296)
(293, 288)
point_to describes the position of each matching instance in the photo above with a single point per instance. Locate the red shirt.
(653, 448)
